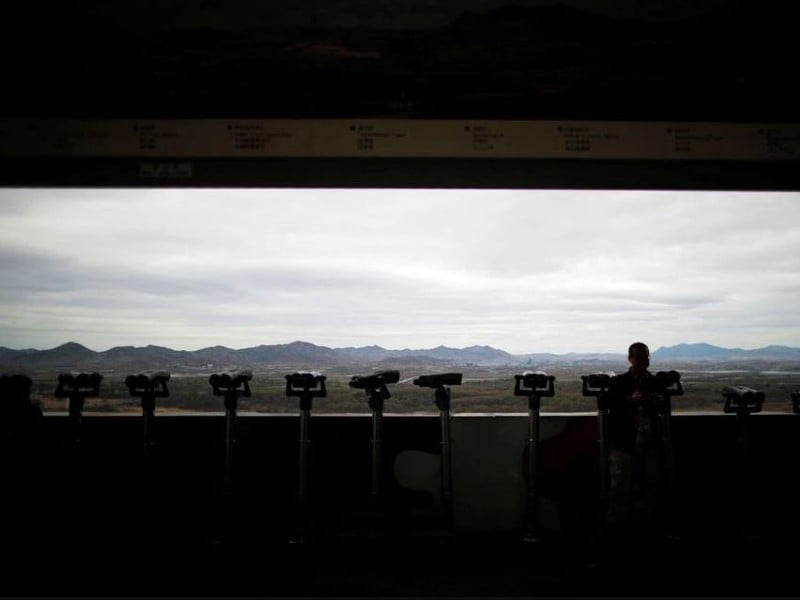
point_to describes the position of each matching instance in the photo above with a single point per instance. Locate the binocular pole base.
(364, 525)
(531, 538)
(231, 386)
(228, 536)
(306, 386)
(300, 536)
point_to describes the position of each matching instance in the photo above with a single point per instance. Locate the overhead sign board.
(399, 138)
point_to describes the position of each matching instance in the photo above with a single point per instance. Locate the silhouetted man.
(634, 442)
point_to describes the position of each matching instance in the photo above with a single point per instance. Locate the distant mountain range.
(297, 355)
(709, 352)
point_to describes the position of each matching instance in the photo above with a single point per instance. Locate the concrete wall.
(100, 482)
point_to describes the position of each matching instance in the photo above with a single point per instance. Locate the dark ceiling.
(732, 62)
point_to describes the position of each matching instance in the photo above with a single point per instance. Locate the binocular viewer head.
(152, 383)
(438, 383)
(796, 402)
(235, 380)
(669, 383)
(15, 386)
(532, 383)
(438, 380)
(668, 378)
(86, 385)
(15, 395)
(306, 384)
(375, 386)
(596, 384)
(742, 399)
(367, 382)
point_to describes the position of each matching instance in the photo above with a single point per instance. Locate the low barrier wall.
(105, 477)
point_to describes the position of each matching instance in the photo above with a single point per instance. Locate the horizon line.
(296, 341)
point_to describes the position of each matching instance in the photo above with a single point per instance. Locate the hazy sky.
(525, 271)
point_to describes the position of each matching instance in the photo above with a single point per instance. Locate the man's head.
(639, 356)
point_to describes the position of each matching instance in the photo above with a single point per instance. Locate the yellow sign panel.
(397, 138)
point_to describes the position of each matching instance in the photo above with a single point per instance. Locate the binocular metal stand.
(148, 385)
(231, 385)
(15, 395)
(668, 384)
(597, 385)
(744, 401)
(439, 384)
(15, 386)
(19, 451)
(375, 387)
(534, 385)
(76, 387)
(305, 385)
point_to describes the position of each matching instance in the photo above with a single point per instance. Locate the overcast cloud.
(525, 271)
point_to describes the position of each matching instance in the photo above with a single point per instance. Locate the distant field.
(484, 389)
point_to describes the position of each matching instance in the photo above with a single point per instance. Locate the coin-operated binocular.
(76, 387)
(15, 399)
(231, 385)
(742, 400)
(148, 385)
(15, 387)
(375, 387)
(439, 383)
(535, 386)
(796, 402)
(18, 415)
(597, 385)
(305, 385)
(668, 384)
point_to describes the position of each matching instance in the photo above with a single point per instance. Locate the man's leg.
(620, 496)
(647, 485)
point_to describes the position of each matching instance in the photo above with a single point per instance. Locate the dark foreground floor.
(721, 564)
